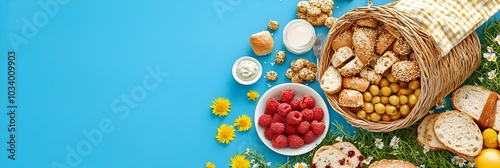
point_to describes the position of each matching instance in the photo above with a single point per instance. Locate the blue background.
(74, 70)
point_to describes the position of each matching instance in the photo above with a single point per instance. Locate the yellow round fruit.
(488, 158)
(490, 138)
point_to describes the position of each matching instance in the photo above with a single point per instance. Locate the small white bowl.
(259, 70)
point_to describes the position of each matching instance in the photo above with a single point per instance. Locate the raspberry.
(317, 127)
(284, 109)
(294, 118)
(278, 118)
(287, 95)
(265, 120)
(272, 106)
(290, 129)
(295, 103)
(295, 141)
(303, 127)
(268, 134)
(277, 128)
(306, 102)
(309, 137)
(318, 113)
(307, 115)
(280, 141)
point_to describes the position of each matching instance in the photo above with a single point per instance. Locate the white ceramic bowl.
(259, 70)
(300, 90)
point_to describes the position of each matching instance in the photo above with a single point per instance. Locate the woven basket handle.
(448, 22)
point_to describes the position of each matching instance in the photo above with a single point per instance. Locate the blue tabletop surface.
(128, 83)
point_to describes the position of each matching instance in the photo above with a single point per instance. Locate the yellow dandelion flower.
(225, 134)
(210, 165)
(221, 106)
(243, 122)
(492, 74)
(239, 161)
(253, 95)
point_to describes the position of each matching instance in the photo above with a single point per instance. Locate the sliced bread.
(458, 132)
(354, 155)
(385, 62)
(422, 129)
(471, 100)
(331, 81)
(430, 136)
(370, 75)
(352, 68)
(331, 157)
(341, 56)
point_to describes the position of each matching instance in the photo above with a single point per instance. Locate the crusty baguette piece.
(422, 128)
(405, 70)
(330, 156)
(385, 62)
(342, 40)
(458, 132)
(356, 83)
(341, 56)
(352, 68)
(471, 100)
(350, 98)
(430, 136)
(391, 163)
(363, 40)
(384, 40)
(370, 75)
(331, 81)
(367, 22)
(354, 156)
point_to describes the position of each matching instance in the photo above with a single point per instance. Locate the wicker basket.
(439, 76)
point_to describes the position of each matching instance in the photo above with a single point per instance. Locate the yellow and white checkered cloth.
(449, 21)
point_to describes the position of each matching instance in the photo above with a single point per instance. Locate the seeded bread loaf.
(356, 83)
(341, 56)
(350, 98)
(384, 40)
(344, 39)
(401, 47)
(367, 22)
(422, 129)
(331, 157)
(405, 70)
(471, 100)
(363, 40)
(331, 81)
(458, 132)
(353, 154)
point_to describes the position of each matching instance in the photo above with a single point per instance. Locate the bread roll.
(384, 40)
(343, 39)
(350, 98)
(352, 68)
(331, 81)
(385, 62)
(367, 22)
(363, 40)
(405, 70)
(401, 47)
(393, 31)
(341, 56)
(356, 83)
(262, 43)
(390, 163)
